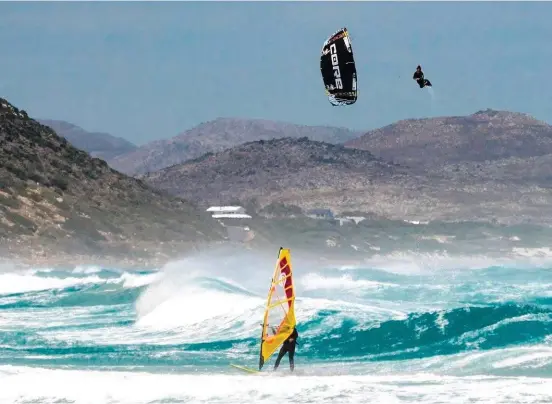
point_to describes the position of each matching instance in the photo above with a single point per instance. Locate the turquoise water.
(437, 329)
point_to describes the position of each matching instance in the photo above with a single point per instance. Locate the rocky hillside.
(97, 144)
(300, 171)
(216, 136)
(55, 198)
(485, 135)
(311, 174)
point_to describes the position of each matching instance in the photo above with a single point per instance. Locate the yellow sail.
(279, 315)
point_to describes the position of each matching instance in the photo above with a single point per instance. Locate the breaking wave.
(399, 314)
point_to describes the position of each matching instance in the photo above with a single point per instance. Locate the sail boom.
(279, 302)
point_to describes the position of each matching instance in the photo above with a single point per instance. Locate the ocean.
(404, 327)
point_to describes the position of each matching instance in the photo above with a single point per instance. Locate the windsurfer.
(288, 347)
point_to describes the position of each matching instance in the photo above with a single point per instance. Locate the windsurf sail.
(338, 68)
(279, 314)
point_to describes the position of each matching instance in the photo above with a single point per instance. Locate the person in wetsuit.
(288, 347)
(419, 77)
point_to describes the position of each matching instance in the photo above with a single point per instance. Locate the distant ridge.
(217, 135)
(488, 166)
(98, 144)
(484, 135)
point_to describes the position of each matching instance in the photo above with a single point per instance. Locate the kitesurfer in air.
(288, 347)
(419, 77)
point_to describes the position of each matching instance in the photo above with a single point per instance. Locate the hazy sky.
(145, 71)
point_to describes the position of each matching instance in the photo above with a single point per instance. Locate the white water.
(77, 351)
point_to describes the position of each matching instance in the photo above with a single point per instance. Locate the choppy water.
(409, 329)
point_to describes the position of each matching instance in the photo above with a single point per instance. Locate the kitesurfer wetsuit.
(419, 77)
(288, 347)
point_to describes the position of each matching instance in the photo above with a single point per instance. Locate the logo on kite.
(337, 65)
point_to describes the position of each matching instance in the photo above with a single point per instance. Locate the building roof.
(231, 216)
(224, 209)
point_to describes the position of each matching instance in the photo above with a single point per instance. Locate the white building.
(234, 219)
(350, 219)
(235, 212)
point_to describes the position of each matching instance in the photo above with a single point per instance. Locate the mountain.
(98, 144)
(297, 171)
(217, 135)
(506, 180)
(483, 136)
(55, 198)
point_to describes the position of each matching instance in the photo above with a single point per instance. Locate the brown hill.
(295, 171)
(484, 135)
(313, 174)
(55, 197)
(218, 135)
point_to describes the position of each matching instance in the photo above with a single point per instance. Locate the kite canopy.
(338, 69)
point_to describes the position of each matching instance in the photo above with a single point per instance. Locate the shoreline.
(28, 257)
(65, 262)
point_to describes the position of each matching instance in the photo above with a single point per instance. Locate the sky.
(151, 70)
